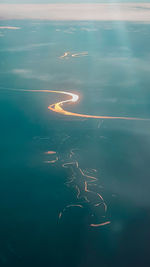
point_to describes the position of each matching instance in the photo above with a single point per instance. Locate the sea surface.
(74, 191)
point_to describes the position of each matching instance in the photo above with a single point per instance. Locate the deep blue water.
(113, 79)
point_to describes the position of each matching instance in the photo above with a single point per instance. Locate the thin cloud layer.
(77, 12)
(9, 28)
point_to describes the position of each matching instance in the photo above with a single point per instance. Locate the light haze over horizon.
(69, 2)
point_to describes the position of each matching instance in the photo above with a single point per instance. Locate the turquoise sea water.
(35, 189)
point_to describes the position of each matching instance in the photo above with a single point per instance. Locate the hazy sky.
(69, 1)
(117, 12)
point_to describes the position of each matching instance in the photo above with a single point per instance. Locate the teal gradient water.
(113, 79)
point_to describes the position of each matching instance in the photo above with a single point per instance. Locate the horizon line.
(134, 12)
